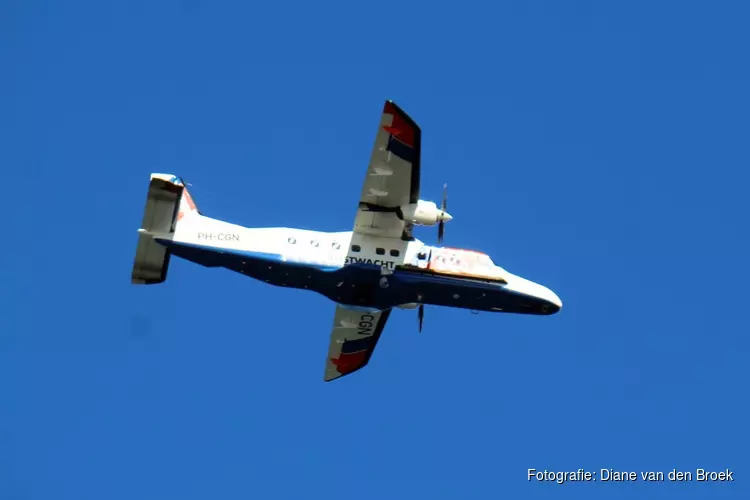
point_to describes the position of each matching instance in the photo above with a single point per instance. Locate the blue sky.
(599, 148)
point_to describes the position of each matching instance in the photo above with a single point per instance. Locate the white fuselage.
(328, 250)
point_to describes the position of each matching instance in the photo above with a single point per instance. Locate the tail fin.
(168, 201)
(187, 204)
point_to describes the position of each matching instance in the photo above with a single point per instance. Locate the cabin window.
(394, 253)
(291, 240)
(314, 243)
(380, 251)
(421, 255)
(356, 248)
(336, 245)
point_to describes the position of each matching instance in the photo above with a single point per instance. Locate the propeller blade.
(443, 208)
(420, 312)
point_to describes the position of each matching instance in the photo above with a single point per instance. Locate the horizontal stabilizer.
(159, 219)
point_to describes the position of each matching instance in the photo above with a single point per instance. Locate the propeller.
(441, 233)
(420, 310)
(420, 313)
(443, 209)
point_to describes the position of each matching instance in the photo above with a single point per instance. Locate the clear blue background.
(600, 148)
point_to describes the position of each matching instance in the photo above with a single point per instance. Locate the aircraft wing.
(392, 177)
(353, 339)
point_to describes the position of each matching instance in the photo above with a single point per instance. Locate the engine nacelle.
(424, 213)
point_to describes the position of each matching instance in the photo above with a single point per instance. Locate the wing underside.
(392, 181)
(354, 335)
(393, 175)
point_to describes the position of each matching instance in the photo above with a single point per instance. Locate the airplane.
(367, 272)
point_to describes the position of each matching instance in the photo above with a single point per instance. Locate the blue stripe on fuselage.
(217, 255)
(358, 285)
(416, 277)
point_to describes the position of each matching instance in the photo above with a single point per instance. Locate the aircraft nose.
(445, 216)
(554, 301)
